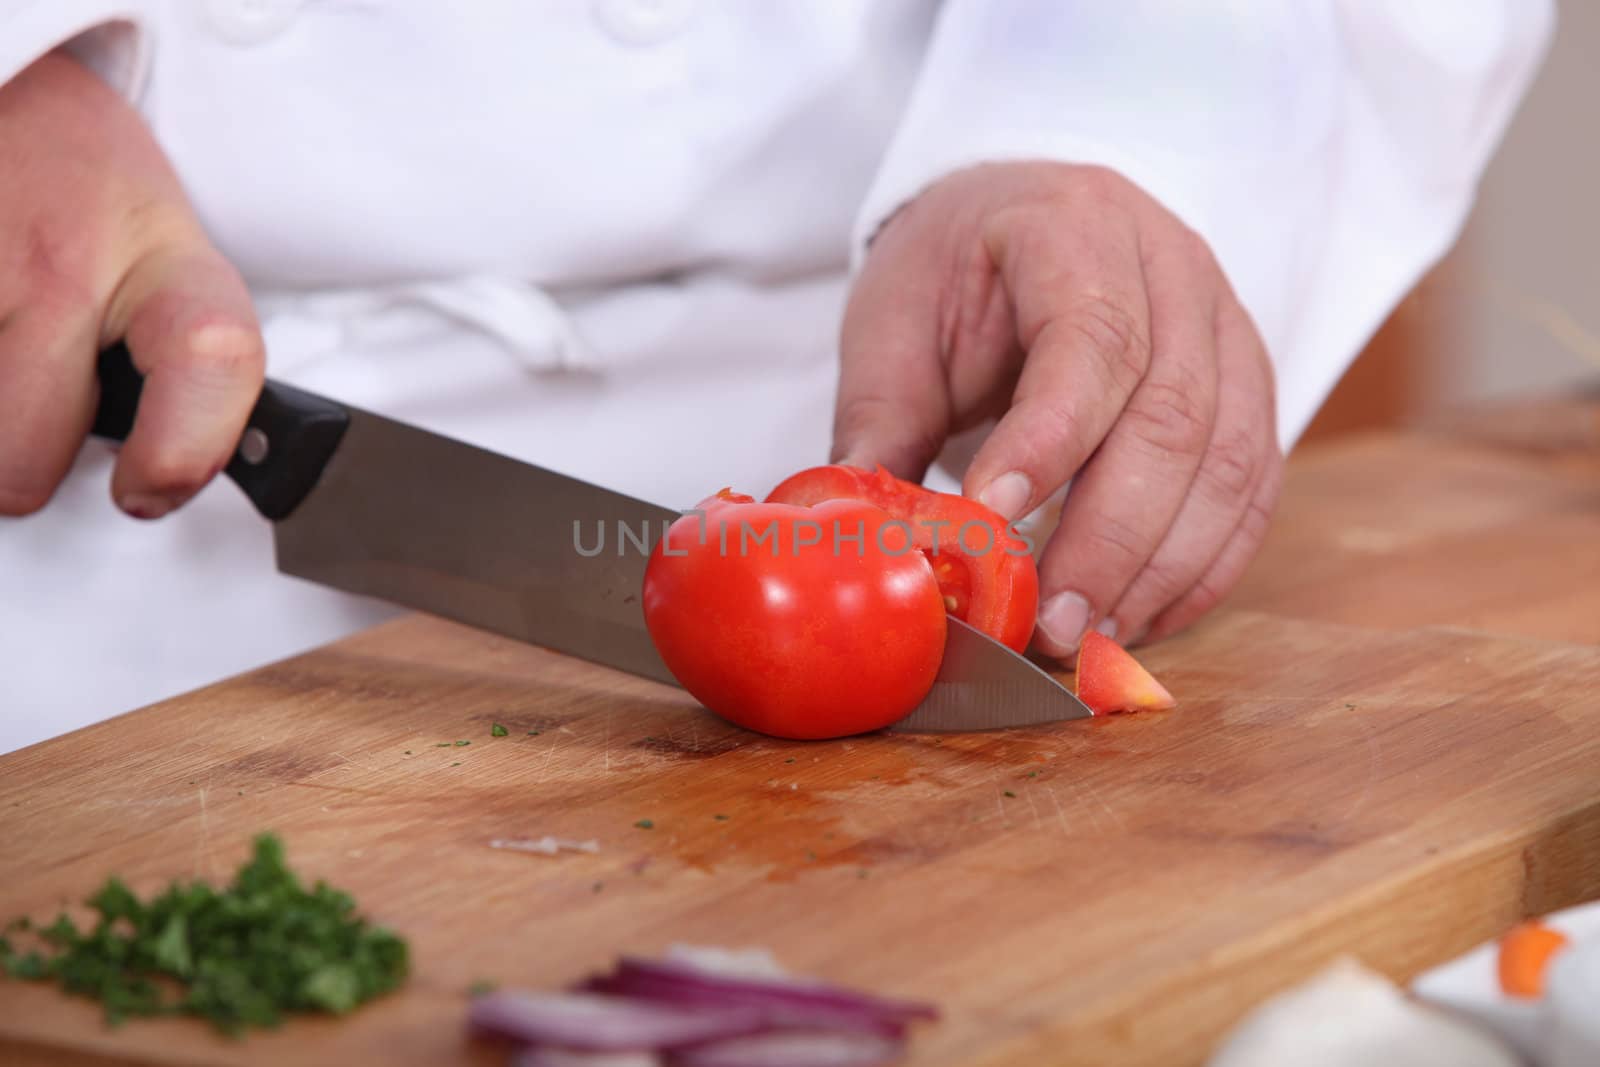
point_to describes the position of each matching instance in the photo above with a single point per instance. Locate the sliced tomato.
(799, 622)
(1110, 680)
(985, 570)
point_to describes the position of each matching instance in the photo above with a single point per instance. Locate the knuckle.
(1115, 336)
(1257, 518)
(1196, 249)
(864, 418)
(1163, 580)
(223, 349)
(1172, 416)
(1093, 182)
(1233, 465)
(175, 476)
(1115, 545)
(1050, 424)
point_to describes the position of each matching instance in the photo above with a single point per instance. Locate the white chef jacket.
(615, 236)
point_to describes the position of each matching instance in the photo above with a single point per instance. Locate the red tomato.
(799, 622)
(985, 571)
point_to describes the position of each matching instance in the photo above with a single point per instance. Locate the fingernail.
(1007, 494)
(1062, 620)
(1107, 627)
(146, 505)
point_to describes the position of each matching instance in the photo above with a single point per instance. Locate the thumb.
(191, 329)
(893, 405)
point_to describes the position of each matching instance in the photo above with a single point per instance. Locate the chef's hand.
(1103, 335)
(98, 243)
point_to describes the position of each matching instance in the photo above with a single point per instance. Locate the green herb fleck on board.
(1009, 793)
(789, 760)
(533, 733)
(645, 824)
(408, 752)
(462, 744)
(457, 763)
(242, 956)
(498, 731)
(721, 818)
(442, 744)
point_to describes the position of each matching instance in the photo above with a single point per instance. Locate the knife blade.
(983, 685)
(376, 507)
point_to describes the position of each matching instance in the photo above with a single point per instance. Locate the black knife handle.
(287, 441)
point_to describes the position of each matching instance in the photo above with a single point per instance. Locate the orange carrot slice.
(1525, 952)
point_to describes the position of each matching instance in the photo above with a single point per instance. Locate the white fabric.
(616, 237)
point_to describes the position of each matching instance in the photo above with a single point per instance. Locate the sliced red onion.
(545, 1056)
(792, 1049)
(787, 1002)
(596, 1022)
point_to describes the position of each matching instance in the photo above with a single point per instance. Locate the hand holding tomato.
(821, 612)
(1103, 336)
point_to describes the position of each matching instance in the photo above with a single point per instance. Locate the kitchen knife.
(379, 508)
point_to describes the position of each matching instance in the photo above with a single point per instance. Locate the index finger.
(192, 333)
(1083, 318)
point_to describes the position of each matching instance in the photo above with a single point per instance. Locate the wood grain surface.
(1388, 744)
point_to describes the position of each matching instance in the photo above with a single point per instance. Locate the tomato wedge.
(985, 569)
(1110, 680)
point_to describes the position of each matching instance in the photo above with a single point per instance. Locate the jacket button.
(247, 22)
(643, 22)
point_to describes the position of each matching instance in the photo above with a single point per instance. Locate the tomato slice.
(985, 570)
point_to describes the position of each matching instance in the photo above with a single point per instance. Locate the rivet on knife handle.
(288, 440)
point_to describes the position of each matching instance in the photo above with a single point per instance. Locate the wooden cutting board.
(1111, 891)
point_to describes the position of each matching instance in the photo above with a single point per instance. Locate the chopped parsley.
(533, 733)
(498, 731)
(1009, 793)
(721, 818)
(460, 744)
(645, 824)
(239, 957)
